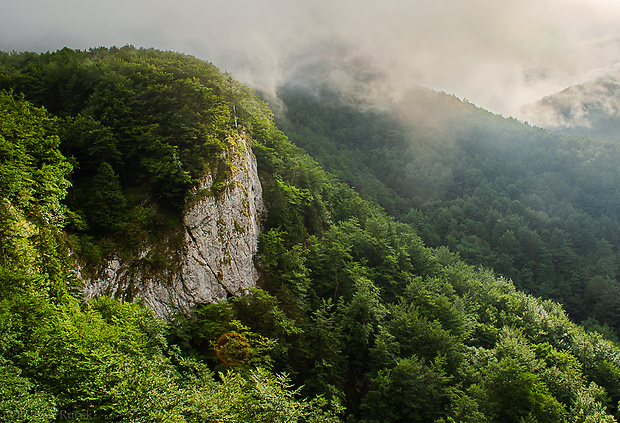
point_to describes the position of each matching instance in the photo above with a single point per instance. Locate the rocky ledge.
(221, 225)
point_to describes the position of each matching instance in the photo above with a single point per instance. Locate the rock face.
(215, 258)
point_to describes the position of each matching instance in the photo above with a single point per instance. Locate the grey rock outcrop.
(218, 243)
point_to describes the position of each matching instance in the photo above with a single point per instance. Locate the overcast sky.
(498, 54)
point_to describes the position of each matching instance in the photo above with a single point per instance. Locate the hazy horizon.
(497, 56)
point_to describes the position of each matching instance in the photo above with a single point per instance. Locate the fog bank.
(498, 55)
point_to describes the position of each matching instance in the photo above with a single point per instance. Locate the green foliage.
(106, 206)
(378, 307)
(539, 209)
(105, 360)
(33, 172)
(258, 396)
(514, 388)
(109, 361)
(355, 310)
(18, 402)
(32, 185)
(157, 119)
(411, 391)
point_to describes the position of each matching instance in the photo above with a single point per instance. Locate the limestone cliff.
(215, 255)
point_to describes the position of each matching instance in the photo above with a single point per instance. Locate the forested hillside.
(539, 209)
(355, 318)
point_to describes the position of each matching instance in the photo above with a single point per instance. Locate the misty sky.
(497, 54)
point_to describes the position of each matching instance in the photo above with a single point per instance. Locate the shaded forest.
(538, 208)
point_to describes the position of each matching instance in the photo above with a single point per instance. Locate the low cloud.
(578, 105)
(498, 55)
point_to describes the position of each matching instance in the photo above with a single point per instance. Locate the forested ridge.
(355, 319)
(538, 208)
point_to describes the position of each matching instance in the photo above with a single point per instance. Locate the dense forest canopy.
(355, 318)
(538, 208)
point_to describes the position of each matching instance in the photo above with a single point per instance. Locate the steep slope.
(216, 251)
(103, 360)
(165, 183)
(538, 208)
(355, 309)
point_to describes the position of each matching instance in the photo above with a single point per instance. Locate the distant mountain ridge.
(591, 109)
(538, 208)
